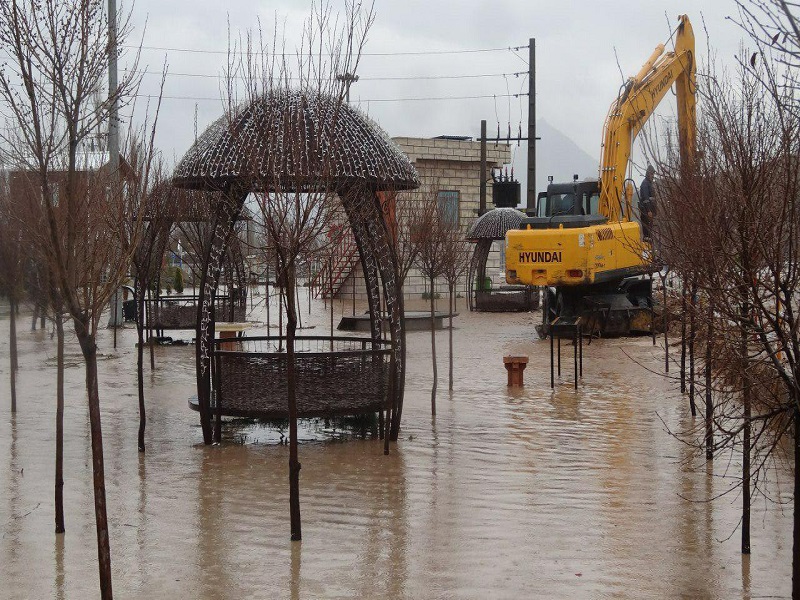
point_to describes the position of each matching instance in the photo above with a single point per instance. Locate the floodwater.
(529, 493)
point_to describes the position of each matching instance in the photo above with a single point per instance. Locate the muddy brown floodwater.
(528, 493)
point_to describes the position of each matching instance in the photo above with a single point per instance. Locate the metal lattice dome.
(290, 140)
(493, 224)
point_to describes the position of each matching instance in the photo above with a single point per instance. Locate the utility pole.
(482, 205)
(348, 79)
(113, 114)
(531, 195)
(113, 135)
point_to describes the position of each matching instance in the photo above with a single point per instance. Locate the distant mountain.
(559, 156)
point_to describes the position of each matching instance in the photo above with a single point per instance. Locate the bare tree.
(407, 232)
(146, 262)
(298, 192)
(455, 264)
(740, 198)
(11, 275)
(87, 226)
(430, 260)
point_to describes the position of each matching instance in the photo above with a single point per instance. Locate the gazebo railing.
(335, 376)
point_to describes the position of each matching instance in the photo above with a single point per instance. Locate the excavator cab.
(577, 198)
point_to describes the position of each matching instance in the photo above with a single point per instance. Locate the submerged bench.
(335, 376)
(180, 311)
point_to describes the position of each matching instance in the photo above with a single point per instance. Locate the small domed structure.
(486, 229)
(292, 141)
(493, 224)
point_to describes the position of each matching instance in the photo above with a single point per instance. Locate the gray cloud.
(578, 46)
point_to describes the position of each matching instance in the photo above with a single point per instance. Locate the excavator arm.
(630, 111)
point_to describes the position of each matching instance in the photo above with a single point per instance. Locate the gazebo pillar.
(227, 211)
(365, 212)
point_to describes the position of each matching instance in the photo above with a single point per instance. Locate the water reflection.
(347, 489)
(59, 560)
(294, 577)
(746, 576)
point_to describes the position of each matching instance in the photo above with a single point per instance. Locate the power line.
(399, 78)
(364, 101)
(285, 54)
(359, 101)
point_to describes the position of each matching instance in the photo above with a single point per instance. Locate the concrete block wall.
(446, 165)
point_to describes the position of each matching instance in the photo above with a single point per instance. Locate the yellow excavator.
(583, 245)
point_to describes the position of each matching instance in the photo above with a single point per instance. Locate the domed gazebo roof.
(277, 141)
(493, 224)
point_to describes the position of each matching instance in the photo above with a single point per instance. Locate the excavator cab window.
(591, 203)
(541, 204)
(561, 204)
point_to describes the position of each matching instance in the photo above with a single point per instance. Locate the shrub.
(178, 280)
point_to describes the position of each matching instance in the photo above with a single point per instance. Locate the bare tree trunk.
(149, 317)
(299, 308)
(280, 314)
(692, 335)
(13, 358)
(294, 463)
(266, 299)
(433, 348)
(89, 349)
(745, 436)
(796, 509)
(59, 484)
(709, 404)
(114, 306)
(140, 369)
(450, 323)
(330, 288)
(665, 322)
(683, 337)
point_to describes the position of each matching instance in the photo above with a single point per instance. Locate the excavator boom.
(636, 103)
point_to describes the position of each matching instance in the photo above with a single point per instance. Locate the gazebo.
(288, 142)
(188, 212)
(486, 229)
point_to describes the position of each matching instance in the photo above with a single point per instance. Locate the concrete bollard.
(515, 365)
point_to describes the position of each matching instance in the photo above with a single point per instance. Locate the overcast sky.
(578, 44)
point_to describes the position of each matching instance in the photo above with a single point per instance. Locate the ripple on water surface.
(505, 494)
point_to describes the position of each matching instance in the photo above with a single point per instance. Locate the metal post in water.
(652, 312)
(552, 377)
(559, 355)
(575, 354)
